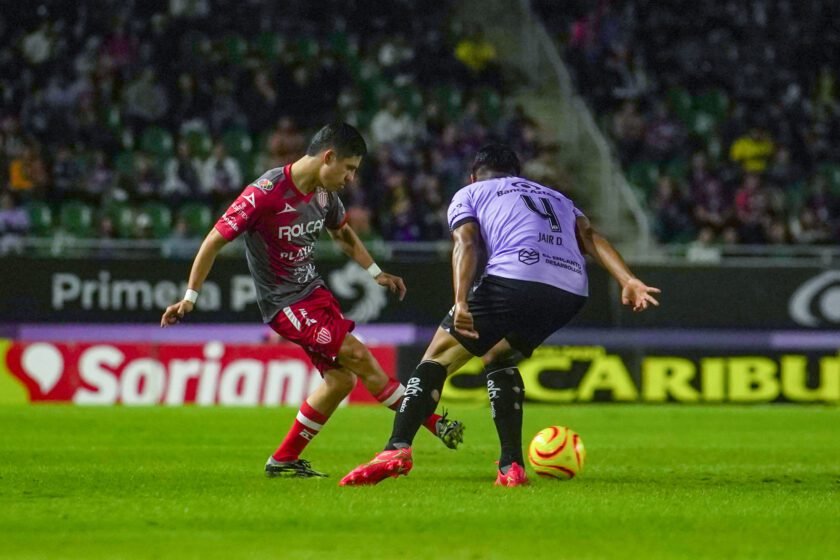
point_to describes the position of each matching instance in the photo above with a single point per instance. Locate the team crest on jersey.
(264, 185)
(323, 336)
(322, 197)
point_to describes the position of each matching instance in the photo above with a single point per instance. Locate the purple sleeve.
(461, 209)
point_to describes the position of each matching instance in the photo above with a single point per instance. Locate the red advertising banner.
(165, 374)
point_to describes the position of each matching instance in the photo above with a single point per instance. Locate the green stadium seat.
(831, 172)
(235, 48)
(643, 174)
(160, 218)
(677, 169)
(269, 45)
(491, 104)
(238, 142)
(198, 218)
(122, 217)
(113, 117)
(124, 163)
(157, 142)
(40, 218)
(199, 142)
(76, 219)
(308, 49)
(411, 99)
(680, 102)
(450, 99)
(714, 102)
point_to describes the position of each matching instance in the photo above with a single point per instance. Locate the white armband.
(191, 296)
(374, 270)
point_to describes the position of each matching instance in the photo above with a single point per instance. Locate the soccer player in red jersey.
(281, 215)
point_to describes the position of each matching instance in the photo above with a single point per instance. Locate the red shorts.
(317, 325)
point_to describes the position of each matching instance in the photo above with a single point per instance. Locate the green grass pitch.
(660, 482)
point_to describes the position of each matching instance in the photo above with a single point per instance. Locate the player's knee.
(353, 352)
(502, 360)
(340, 383)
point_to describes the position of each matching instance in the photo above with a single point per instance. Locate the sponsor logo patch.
(529, 256)
(264, 185)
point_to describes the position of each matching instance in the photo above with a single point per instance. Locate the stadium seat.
(831, 172)
(160, 218)
(677, 169)
(198, 218)
(269, 45)
(40, 218)
(157, 142)
(237, 142)
(701, 123)
(680, 102)
(714, 102)
(411, 99)
(491, 104)
(234, 48)
(308, 49)
(122, 217)
(199, 142)
(450, 99)
(77, 219)
(124, 163)
(643, 174)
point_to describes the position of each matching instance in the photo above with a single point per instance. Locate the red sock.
(306, 426)
(392, 395)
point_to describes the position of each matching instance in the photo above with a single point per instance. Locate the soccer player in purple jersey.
(534, 283)
(281, 215)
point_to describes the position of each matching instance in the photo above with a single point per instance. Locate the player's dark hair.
(497, 157)
(341, 137)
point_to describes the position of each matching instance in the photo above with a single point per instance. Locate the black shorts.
(524, 313)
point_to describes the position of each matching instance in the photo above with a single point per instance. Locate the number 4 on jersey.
(547, 212)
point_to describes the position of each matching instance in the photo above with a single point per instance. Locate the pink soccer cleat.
(387, 463)
(515, 476)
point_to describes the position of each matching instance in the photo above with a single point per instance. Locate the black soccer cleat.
(291, 469)
(450, 432)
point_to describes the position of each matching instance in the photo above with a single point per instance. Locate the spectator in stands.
(66, 175)
(751, 211)
(190, 103)
(180, 244)
(478, 55)
(225, 111)
(98, 180)
(14, 224)
(664, 135)
(221, 176)
(183, 176)
(286, 143)
(628, 128)
(145, 100)
(392, 124)
(806, 229)
(147, 181)
(261, 99)
(782, 171)
(753, 150)
(27, 172)
(671, 213)
(821, 201)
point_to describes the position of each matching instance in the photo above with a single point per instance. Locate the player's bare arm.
(346, 238)
(210, 247)
(465, 255)
(634, 292)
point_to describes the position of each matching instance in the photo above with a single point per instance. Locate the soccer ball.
(557, 452)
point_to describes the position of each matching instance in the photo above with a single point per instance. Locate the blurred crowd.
(143, 119)
(725, 114)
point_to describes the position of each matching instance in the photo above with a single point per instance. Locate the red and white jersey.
(281, 226)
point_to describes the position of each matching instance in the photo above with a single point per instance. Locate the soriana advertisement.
(164, 374)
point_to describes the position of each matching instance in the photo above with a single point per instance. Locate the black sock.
(507, 393)
(422, 393)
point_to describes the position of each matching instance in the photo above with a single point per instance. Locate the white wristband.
(191, 296)
(374, 270)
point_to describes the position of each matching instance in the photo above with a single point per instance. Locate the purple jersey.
(281, 226)
(528, 230)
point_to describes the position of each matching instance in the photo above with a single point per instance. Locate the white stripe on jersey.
(291, 316)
